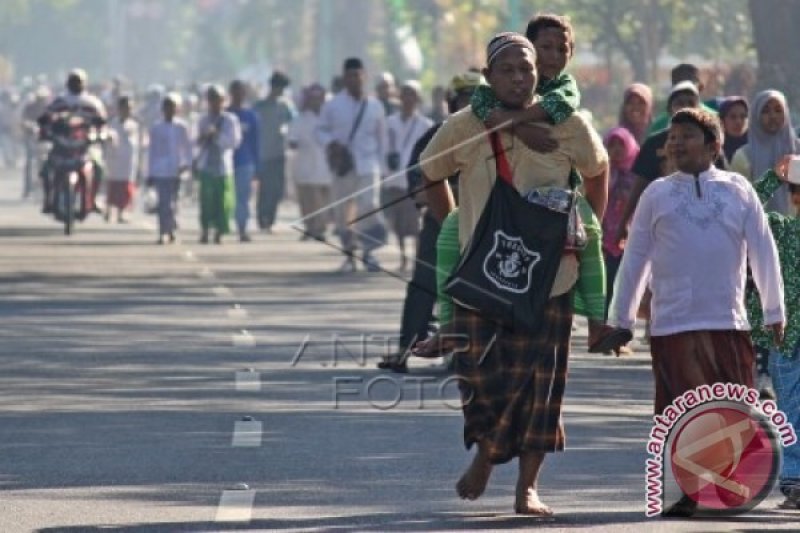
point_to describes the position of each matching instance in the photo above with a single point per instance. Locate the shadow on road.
(430, 522)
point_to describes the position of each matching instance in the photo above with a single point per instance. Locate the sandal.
(394, 363)
(683, 508)
(792, 501)
(790, 504)
(610, 339)
(433, 348)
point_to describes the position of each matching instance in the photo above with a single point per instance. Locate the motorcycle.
(69, 168)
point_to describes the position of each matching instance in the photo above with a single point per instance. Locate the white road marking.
(247, 434)
(222, 291)
(243, 339)
(248, 381)
(236, 506)
(237, 312)
(206, 273)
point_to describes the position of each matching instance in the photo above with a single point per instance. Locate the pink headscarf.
(630, 144)
(645, 93)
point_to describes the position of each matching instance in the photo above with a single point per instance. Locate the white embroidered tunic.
(691, 239)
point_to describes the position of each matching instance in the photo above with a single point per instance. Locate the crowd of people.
(688, 218)
(222, 146)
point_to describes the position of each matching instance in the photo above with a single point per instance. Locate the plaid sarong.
(686, 360)
(512, 383)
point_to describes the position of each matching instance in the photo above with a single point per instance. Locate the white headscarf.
(764, 150)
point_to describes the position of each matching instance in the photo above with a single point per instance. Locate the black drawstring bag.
(507, 271)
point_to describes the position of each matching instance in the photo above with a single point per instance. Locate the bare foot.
(624, 350)
(529, 503)
(474, 481)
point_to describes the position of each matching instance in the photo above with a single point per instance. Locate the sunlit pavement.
(212, 388)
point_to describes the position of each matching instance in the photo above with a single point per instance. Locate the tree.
(777, 43)
(641, 30)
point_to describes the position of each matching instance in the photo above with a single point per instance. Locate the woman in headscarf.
(733, 113)
(771, 136)
(622, 151)
(636, 112)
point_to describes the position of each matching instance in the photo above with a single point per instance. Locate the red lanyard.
(501, 162)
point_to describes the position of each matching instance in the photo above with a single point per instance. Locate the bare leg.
(474, 481)
(527, 501)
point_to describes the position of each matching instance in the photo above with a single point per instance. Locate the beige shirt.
(462, 144)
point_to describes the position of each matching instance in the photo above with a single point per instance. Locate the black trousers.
(612, 267)
(271, 187)
(421, 290)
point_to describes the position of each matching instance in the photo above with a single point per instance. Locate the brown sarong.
(512, 383)
(685, 361)
(119, 193)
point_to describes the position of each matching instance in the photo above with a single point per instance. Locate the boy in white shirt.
(691, 238)
(692, 235)
(169, 155)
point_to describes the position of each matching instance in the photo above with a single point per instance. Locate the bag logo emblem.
(509, 264)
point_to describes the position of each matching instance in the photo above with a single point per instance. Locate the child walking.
(784, 361)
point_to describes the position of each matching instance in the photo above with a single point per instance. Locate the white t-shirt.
(170, 149)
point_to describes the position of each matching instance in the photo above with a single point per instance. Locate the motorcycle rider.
(75, 100)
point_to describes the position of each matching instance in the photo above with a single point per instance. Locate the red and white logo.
(724, 456)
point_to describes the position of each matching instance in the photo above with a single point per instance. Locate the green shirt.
(661, 122)
(786, 232)
(560, 98)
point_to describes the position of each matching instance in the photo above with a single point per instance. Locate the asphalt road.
(121, 408)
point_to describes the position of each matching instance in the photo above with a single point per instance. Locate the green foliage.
(217, 39)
